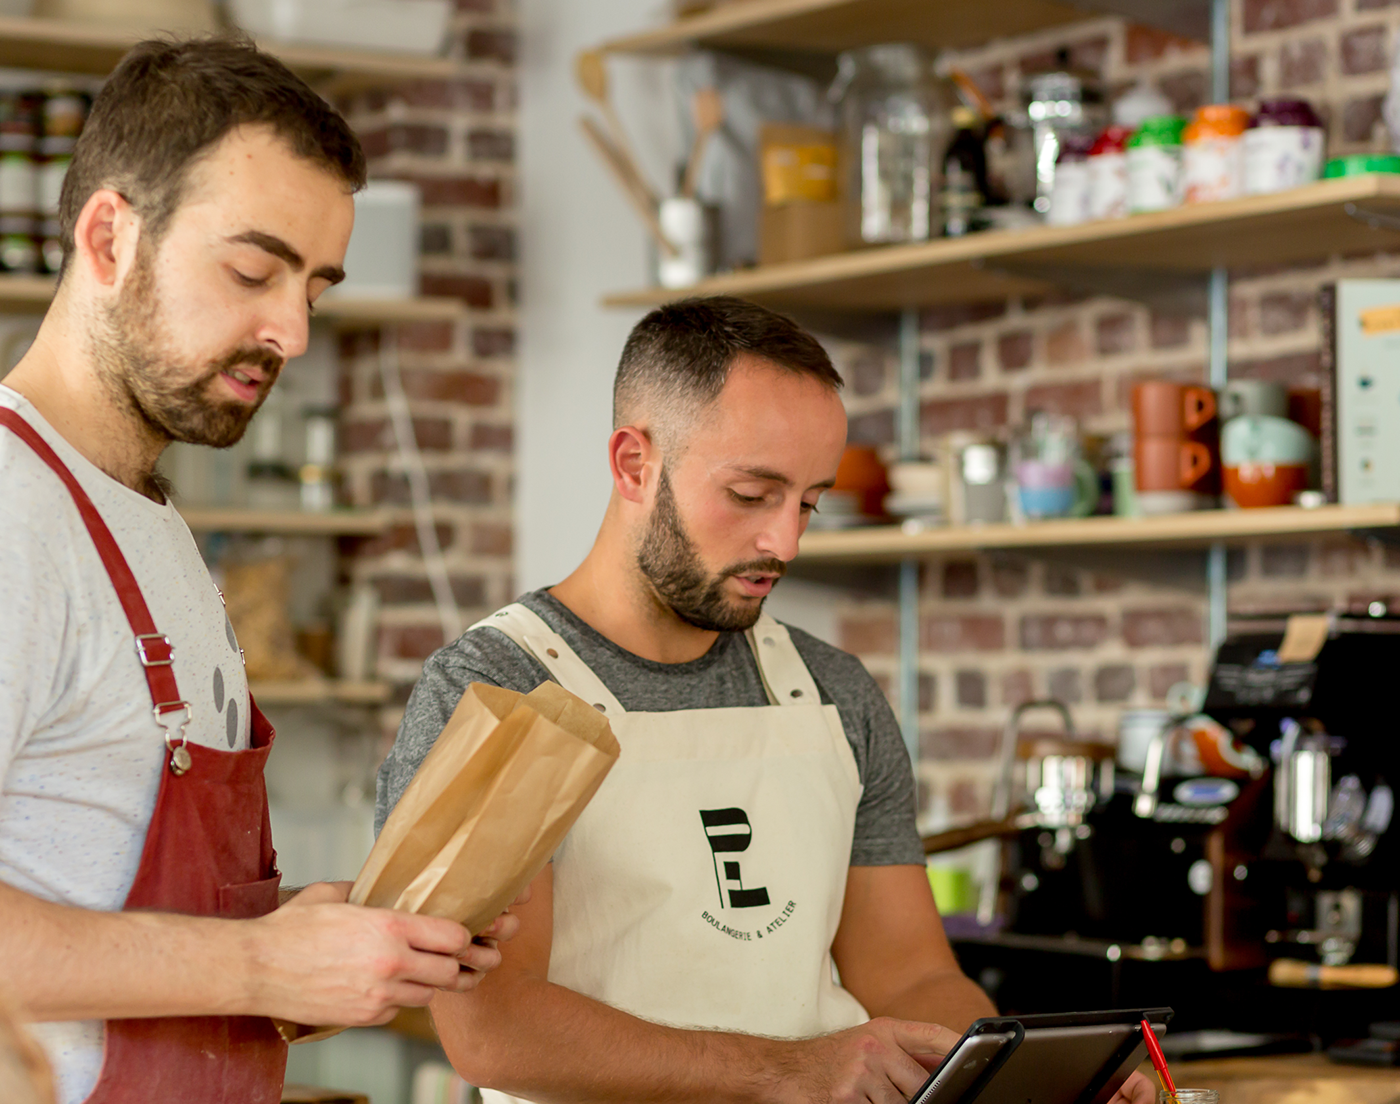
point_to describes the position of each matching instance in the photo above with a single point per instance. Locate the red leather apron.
(208, 852)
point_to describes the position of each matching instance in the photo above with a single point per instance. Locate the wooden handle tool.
(709, 117)
(1292, 973)
(591, 69)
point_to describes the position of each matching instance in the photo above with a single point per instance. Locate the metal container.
(895, 125)
(1060, 104)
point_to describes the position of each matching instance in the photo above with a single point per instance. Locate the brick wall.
(456, 140)
(1114, 631)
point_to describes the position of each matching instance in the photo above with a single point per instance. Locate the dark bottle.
(964, 177)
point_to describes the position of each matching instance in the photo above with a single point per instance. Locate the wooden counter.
(1287, 1079)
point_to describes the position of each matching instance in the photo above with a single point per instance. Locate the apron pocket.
(244, 902)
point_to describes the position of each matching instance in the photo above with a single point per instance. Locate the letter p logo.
(729, 832)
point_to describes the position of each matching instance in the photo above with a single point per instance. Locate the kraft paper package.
(490, 804)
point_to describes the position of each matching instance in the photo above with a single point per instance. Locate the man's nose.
(286, 328)
(779, 539)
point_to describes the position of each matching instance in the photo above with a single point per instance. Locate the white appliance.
(1368, 390)
(406, 26)
(382, 259)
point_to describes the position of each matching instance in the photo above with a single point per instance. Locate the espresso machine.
(1267, 860)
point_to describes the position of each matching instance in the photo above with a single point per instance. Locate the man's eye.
(747, 500)
(249, 281)
(810, 508)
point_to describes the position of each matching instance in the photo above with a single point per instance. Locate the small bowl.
(1253, 485)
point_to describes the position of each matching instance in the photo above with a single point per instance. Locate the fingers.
(480, 956)
(905, 1074)
(523, 899)
(322, 893)
(504, 927)
(432, 933)
(923, 1038)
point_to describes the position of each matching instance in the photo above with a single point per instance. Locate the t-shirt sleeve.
(886, 833)
(33, 627)
(482, 655)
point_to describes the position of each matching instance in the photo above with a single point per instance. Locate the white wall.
(579, 241)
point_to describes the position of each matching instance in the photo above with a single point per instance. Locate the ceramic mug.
(1048, 489)
(1253, 397)
(1252, 485)
(1262, 439)
(1170, 463)
(1165, 409)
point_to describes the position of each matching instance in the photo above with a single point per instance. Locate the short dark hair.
(679, 356)
(170, 100)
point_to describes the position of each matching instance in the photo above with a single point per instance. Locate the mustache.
(758, 567)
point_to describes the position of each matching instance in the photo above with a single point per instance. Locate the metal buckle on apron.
(180, 759)
(143, 650)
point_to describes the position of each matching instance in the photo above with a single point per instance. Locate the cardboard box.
(798, 231)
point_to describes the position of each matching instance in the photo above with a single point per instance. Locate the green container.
(1359, 164)
(1158, 130)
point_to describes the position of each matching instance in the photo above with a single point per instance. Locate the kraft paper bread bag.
(489, 805)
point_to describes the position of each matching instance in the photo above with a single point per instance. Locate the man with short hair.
(757, 833)
(207, 206)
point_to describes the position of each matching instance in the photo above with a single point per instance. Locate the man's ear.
(105, 237)
(630, 452)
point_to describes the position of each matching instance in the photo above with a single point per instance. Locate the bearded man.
(207, 206)
(757, 834)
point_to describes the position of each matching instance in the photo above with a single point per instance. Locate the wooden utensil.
(613, 161)
(708, 112)
(591, 69)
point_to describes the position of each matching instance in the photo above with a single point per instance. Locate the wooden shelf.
(319, 691)
(332, 523)
(74, 47)
(1309, 223)
(885, 544)
(33, 293)
(776, 27)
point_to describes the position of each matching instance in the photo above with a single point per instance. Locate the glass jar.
(1069, 198)
(894, 115)
(1060, 104)
(1154, 164)
(1283, 147)
(1108, 173)
(1213, 153)
(1189, 1096)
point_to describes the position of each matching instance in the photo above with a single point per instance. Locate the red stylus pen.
(1159, 1060)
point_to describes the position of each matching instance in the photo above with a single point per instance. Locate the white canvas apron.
(703, 885)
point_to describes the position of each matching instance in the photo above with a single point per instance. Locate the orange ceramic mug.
(1170, 463)
(1165, 409)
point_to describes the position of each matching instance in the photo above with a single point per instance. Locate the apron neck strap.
(528, 630)
(152, 648)
(785, 677)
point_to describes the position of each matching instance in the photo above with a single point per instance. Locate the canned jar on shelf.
(1108, 173)
(1283, 147)
(1154, 164)
(1213, 153)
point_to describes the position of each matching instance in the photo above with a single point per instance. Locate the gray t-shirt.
(725, 676)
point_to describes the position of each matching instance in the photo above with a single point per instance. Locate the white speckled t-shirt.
(80, 753)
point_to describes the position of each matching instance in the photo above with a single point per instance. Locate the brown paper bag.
(490, 804)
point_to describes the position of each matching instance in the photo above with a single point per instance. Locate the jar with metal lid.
(1060, 104)
(1213, 153)
(1069, 199)
(894, 116)
(1108, 173)
(1154, 164)
(1283, 147)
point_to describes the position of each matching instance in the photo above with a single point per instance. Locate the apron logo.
(729, 833)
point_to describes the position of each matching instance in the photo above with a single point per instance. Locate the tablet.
(1067, 1058)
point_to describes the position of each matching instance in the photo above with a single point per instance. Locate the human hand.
(1137, 1089)
(884, 1061)
(318, 960)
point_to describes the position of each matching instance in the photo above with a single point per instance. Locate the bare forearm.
(950, 999)
(579, 1050)
(75, 964)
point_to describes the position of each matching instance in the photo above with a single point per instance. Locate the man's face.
(205, 319)
(727, 516)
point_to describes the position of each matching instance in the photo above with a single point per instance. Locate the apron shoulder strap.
(785, 676)
(528, 630)
(153, 648)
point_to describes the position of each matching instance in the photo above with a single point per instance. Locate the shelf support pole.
(907, 428)
(1218, 328)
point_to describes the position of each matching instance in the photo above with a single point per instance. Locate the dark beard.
(158, 390)
(669, 561)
